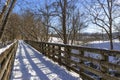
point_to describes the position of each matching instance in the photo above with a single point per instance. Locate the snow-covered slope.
(104, 45)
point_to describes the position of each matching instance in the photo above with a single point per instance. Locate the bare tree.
(45, 14)
(28, 25)
(78, 23)
(31, 27)
(70, 18)
(11, 31)
(117, 28)
(103, 13)
(63, 6)
(5, 14)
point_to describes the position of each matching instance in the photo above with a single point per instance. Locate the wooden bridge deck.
(29, 64)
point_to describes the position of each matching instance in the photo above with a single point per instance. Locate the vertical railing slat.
(81, 53)
(59, 55)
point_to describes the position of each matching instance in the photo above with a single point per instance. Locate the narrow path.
(29, 64)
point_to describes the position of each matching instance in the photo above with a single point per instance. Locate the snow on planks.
(31, 65)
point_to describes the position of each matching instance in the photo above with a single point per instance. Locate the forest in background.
(66, 18)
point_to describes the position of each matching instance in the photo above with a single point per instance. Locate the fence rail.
(78, 59)
(6, 62)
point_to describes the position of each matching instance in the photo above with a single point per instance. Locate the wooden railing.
(74, 58)
(6, 62)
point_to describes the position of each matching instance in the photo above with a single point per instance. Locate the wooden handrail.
(6, 61)
(64, 55)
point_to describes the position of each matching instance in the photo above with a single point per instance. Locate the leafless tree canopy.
(66, 18)
(104, 14)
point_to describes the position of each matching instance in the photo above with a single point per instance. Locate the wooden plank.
(4, 67)
(111, 65)
(4, 54)
(97, 61)
(97, 72)
(94, 50)
(71, 68)
(7, 72)
(6, 63)
(86, 76)
(10, 64)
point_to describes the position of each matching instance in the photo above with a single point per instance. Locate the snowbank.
(55, 40)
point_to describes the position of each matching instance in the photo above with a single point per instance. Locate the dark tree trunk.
(4, 21)
(110, 5)
(64, 22)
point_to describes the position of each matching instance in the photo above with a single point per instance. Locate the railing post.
(48, 50)
(68, 57)
(53, 52)
(103, 68)
(59, 55)
(43, 47)
(40, 47)
(81, 53)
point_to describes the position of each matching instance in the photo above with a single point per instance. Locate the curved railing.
(6, 61)
(75, 58)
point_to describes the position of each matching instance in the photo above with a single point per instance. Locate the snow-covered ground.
(104, 44)
(55, 40)
(93, 44)
(29, 64)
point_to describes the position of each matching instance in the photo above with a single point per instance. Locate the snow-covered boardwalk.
(29, 64)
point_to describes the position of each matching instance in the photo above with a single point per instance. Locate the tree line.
(66, 18)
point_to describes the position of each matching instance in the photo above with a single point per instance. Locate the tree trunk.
(111, 44)
(6, 18)
(64, 22)
(110, 4)
(110, 38)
